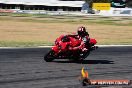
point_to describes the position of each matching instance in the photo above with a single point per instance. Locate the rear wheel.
(49, 56)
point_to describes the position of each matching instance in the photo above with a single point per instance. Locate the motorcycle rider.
(83, 36)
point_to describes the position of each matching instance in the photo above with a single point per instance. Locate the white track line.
(52, 46)
(96, 45)
(113, 45)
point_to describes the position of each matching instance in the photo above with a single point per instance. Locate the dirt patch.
(31, 31)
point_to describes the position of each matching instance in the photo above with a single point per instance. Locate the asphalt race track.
(25, 68)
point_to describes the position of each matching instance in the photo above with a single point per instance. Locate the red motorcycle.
(60, 50)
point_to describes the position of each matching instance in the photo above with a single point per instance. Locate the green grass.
(23, 43)
(40, 43)
(70, 19)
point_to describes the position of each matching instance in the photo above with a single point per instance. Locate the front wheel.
(49, 56)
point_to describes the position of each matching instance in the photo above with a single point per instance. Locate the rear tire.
(49, 56)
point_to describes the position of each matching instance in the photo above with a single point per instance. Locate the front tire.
(49, 56)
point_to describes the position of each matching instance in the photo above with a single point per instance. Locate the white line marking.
(52, 46)
(97, 45)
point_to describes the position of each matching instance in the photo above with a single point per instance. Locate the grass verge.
(23, 44)
(31, 31)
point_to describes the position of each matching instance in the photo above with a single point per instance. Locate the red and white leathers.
(83, 41)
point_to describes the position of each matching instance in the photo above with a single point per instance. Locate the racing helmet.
(81, 31)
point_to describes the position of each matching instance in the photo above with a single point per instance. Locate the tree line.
(129, 3)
